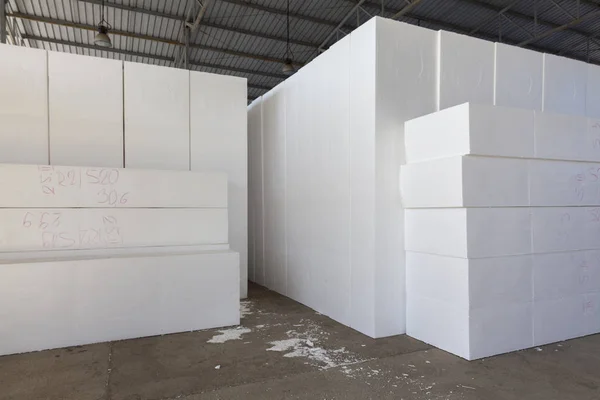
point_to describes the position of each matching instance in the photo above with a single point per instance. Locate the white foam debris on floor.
(307, 344)
(246, 307)
(229, 334)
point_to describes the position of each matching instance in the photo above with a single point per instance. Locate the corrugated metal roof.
(248, 37)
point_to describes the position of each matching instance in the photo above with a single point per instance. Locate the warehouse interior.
(299, 199)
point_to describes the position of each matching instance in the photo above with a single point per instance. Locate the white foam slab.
(472, 284)
(330, 222)
(58, 186)
(565, 228)
(363, 67)
(470, 129)
(46, 229)
(592, 92)
(560, 319)
(157, 117)
(425, 317)
(471, 335)
(86, 115)
(565, 82)
(218, 129)
(256, 190)
(465, 70)
(274, 189)
(469, 233)
(66, 303)
(518, 77)
(80, 254)
(23, 105)
(465, 181)
(298, 209)
(567, 137)
(564, 183)
(499, 330)
(559, 275)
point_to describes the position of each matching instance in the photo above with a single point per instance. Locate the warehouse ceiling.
(248, 37)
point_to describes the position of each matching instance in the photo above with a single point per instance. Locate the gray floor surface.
(284, 350)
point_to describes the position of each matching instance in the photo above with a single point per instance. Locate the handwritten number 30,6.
(112, 197)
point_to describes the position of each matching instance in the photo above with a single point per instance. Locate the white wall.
(157, 117)
(218, 142)
(86, 110)
(23, 105)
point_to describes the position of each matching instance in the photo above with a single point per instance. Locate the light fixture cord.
(102, 20)
(287, 50)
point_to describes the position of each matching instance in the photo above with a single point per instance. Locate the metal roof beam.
(406, 9)
(527, 17)
(338, 26)
(566, 26)
(206, 23)
(157, 57)
(271, 10)
(150, 38)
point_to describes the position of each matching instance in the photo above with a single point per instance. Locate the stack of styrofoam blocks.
(327, 222)
(97, 254)
(130, 115)
(500, 241)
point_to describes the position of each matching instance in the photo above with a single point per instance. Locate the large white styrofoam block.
(592, 92)
(518, 77)
(493, 232)
(470, 283)
(46, 186)
(566, 274)
(471, 334)
(465, 70)
(564, 183)
(500, 329)
(66, 303)
(254, 171)
(157, 117)
(437, 231)
(469, 233)
(256, 190)
(219, 142)
(434, 183)
(470, 129)
(465, 181)
(565, 82)
(80, 254)
(23, 105)
(363, 66)
(298, 155)
(498, 281)
(329, 174)
(439, 324)
(274, 164)
(86, 115)
(409, 64)
(444, 279)
(566, 318)
(565, 228)
(80, 228)
(567, 137)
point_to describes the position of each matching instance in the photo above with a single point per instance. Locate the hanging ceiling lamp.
(288, 66)
(102, 39)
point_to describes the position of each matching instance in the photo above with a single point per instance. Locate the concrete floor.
(287, 351)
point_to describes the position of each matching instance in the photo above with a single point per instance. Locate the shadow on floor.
(284, 350)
